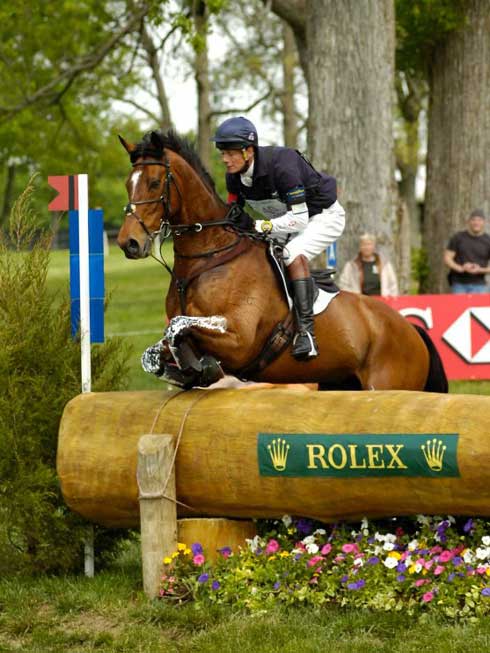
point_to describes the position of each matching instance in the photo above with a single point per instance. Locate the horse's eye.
(155, 184)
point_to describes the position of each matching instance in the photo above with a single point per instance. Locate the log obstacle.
(265, 453)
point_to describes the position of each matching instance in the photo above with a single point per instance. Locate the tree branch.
(88, 62)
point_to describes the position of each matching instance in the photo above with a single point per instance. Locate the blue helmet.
(236, 133)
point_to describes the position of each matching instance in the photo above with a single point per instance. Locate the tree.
(348, 52)
(458, 164)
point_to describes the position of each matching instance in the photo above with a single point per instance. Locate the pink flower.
(428, 564)
(420, 582)
(198, 559)
(339, 558)
(428, 596)
(313, 581)
(446, 556)
(438, 570)
(314, 561)
(350, 548)
(326, 548)
(420, 561)
(436, 549)
(481, 570)
(272, 546)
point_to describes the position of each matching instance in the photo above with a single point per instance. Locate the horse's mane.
(153, 143)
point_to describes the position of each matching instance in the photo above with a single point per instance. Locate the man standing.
(468, 256)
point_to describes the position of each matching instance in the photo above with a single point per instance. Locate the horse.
(225, 302)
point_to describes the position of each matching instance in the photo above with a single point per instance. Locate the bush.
(40, 372)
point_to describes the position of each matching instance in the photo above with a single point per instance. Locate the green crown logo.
(278, 451)
(434, 451)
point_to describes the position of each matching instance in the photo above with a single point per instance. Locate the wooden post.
(158, 511)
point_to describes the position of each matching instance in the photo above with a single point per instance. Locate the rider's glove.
(242, 220)
(263, 226)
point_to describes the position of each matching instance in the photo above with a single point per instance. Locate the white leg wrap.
(181, 324)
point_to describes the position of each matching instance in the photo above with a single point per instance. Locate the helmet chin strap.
(247, 162)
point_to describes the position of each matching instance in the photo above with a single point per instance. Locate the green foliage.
(39, 368)
(420, 26)
(420, 270)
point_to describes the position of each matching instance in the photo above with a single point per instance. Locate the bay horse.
(225, 301)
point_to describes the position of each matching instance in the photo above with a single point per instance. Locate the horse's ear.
(156, 140)
(129, 147)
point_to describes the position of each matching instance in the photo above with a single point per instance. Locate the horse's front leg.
(174, 358)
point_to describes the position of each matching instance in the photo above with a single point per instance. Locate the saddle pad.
(323, 300)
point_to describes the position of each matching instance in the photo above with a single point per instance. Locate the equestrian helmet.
(236, 133)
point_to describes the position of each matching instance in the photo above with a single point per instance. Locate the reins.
(166, 229)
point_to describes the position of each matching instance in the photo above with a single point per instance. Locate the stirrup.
(307, 348)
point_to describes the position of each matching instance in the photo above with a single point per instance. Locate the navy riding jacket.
(284, 174)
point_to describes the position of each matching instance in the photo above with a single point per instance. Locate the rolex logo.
(434, 453)
(278, 451)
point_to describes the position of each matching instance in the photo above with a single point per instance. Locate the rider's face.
(235, 160)
(476, 225)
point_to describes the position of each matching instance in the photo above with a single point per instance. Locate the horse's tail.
(436, 379)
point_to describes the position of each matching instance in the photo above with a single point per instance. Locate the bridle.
(165, 228)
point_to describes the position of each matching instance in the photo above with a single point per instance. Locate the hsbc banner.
(459, 325)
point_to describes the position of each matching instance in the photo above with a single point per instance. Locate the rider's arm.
(450, 262)
(295, 219)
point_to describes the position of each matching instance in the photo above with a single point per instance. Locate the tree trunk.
(289, 57)
(154, 64)
(351, 64)
(8, 192)
(458, 161)
(203, 91)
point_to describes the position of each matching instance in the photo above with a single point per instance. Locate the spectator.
(369, 273)
(468, 255)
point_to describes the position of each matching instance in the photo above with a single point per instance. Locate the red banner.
(459, 325)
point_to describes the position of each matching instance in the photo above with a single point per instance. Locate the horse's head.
(153, 196)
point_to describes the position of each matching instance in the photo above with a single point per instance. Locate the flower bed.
(427, 564)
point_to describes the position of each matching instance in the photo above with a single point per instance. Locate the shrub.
(39, 372)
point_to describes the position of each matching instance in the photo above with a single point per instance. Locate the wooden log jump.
(265, 453)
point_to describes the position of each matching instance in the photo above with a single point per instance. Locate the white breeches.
(323, 229)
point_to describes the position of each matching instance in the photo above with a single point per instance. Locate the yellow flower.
(285, 554)
(394, 554)
(187, 552)
(175, 554)
(273, 557)
(181, 547)
(291, 531)
(411, 569)
(167, 560)
(487, 571)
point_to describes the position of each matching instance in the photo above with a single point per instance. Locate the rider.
(296, 200)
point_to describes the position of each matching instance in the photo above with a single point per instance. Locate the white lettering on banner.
(424, 314)
(458, 335)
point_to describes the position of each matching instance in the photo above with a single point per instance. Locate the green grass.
(136, 312)
(110, 614)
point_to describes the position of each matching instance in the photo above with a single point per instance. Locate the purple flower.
(451, 577)
(203, 578)
(373, 560)
(304, 526)
(215, 585)
(401, 567)
(196, 548)
(344, 579)
(468, 526)
(457, 560)
(485, 591)
(400, 578)
(225, 551)
(357, 585)
(277, 585)
(371, 540)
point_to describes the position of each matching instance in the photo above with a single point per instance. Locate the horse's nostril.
(133, 246)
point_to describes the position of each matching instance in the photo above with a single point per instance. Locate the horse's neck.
(201, 206)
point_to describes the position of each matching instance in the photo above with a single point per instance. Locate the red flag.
(67, 187)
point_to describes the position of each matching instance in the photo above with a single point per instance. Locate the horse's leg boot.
(304, 343)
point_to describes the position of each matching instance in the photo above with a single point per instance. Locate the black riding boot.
(304, 343)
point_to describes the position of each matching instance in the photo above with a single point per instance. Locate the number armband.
(266, 226)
